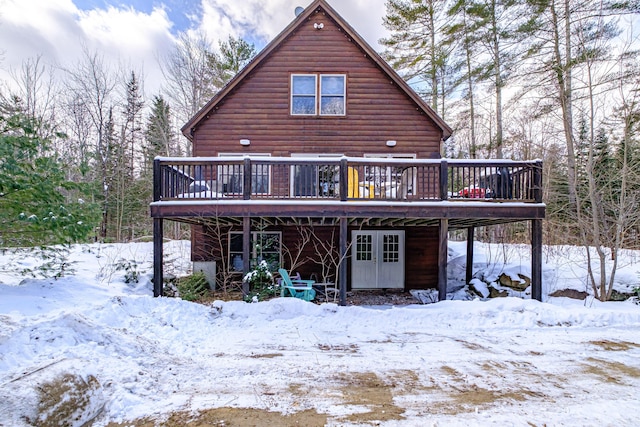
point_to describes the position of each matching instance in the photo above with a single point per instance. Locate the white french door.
(377, 259)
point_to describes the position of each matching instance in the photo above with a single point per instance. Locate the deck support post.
(469, 266)
(443, 249)
(342, 270)
(246, 252)
(157, 258)
(536, 259)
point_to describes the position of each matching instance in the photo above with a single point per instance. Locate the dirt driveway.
(519, 387)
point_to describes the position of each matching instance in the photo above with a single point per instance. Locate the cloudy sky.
(134, 33)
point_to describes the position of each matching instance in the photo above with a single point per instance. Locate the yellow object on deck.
(353, 191)
(372, 191)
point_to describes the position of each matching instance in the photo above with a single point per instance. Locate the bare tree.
(295, 254)
(90, 86)
(187, 71)
(606, 197)
(327, 256)
(37, 91)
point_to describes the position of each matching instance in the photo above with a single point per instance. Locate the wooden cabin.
(317, 157)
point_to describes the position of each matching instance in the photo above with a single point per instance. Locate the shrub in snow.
(55, 261)
(130, 268)
(194, 287)
(261, 284)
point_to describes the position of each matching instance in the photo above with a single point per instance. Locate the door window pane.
(260, 179)
(391, 248)
(231, 177)
(364, 247)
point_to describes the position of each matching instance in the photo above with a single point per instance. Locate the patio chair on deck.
(298, 288)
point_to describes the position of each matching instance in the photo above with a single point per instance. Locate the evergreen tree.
(108, 159)
(127, 196)
(416, 49)
(159, 137)
(132, 131)
(233, 56)
(38, 206)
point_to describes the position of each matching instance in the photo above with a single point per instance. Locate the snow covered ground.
(506, 361)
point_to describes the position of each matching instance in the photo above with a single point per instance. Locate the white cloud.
(125, 30)
(37, 27)
(58, 30)
(132, 38)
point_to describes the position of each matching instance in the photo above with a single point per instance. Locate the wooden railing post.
(157, 180)
(444, 180)
(344, 179)
(537, 182)
(246, 184)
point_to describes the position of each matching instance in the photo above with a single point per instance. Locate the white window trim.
(318, 94)
(315, 94)
(344, 94)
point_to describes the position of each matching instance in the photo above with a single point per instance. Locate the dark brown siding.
(258, 108)
(206, 243)
(421, 254)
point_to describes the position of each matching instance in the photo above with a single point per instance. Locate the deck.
(382, 192)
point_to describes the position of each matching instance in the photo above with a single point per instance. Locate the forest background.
(538, 79)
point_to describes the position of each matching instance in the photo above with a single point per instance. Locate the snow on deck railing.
(345, 178)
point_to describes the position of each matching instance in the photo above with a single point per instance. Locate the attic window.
(304, 94)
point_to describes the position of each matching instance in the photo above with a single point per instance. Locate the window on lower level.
(265, 246)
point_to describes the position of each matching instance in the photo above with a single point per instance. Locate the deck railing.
(346, 178)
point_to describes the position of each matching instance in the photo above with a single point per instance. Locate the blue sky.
(134, 34)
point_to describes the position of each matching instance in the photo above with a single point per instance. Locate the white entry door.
(377, 259)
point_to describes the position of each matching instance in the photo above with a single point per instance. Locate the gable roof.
(205, 111)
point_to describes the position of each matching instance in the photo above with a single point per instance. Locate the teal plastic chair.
(297, 288)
